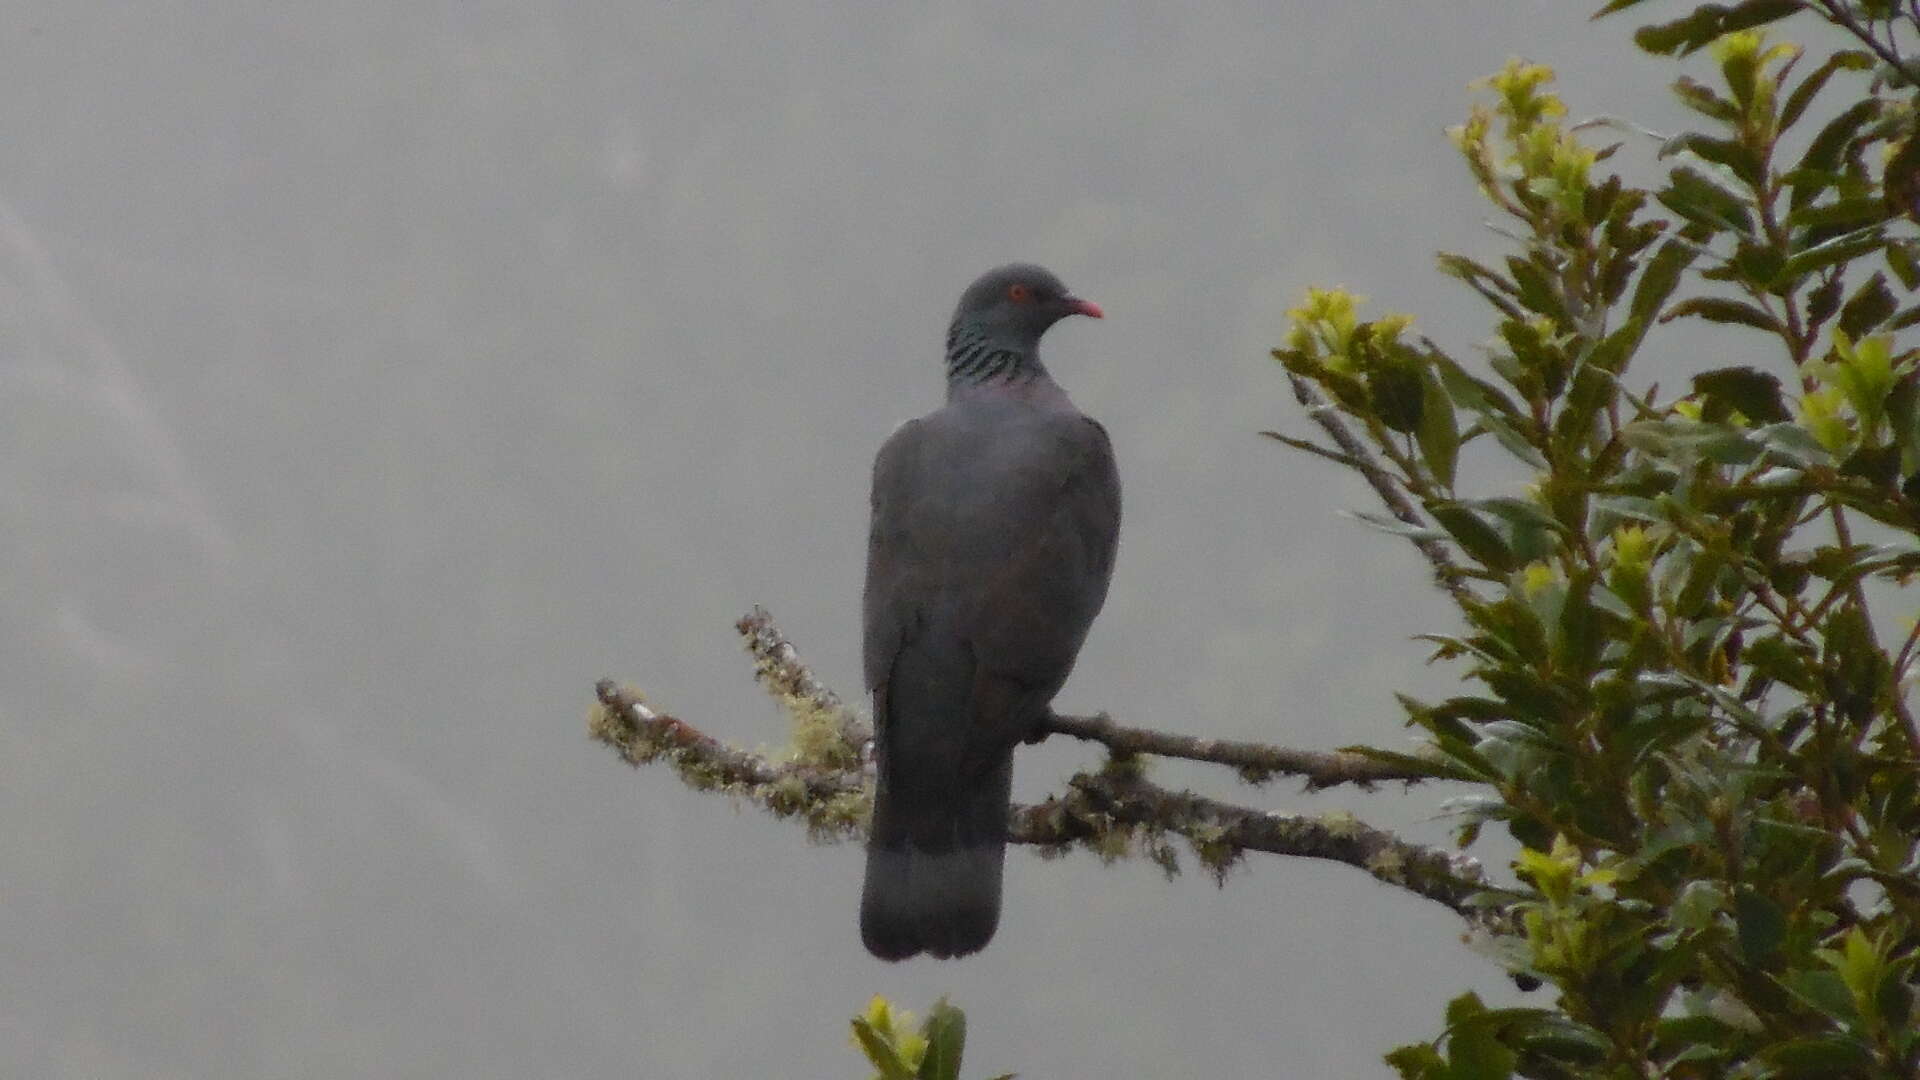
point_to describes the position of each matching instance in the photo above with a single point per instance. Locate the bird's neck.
(978, 361)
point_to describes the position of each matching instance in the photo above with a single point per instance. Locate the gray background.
(377, 376)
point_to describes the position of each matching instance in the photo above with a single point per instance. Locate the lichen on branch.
(1113, 811)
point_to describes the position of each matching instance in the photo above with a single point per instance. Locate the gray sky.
(378, 376)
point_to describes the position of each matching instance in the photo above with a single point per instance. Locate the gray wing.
(996, 548)
(897, 579)
(1043, 588)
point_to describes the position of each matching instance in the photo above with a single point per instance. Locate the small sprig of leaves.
(900, 1051)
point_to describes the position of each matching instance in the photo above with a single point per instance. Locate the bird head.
(1014, 304)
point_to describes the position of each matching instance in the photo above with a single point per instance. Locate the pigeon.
(995, 523)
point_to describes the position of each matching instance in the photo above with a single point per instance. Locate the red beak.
(1085, 307)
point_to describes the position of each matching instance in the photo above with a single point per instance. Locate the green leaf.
(1592, 389)
(1492, 287)
(1468, 756)
(1703, 1038)
(1557, 1037)
(1794, 444)
(1702, 99)
(1732, 154)
(1894, 1003)
(1902, 175)
(1397, 392)
(1879, 465)
(1760, 924)
(1439, 432)
(1818, 1056)
(1720, 309)
(1755, 393)
(1470, 392)
(1698, 904)
(946, 1033)
(1580, 632)
(1823, 301)
(1709, 21)
(1515, 443)
(1803, 94)
(1473, 1049)
(1631, 507)
(1679, 439)
(1537, 292)
(1513, 630)
(1847, 213)
(1780, 661)
(1533, 533)
(1830, 252)
(1903, 258)
(1480, 541)
(1809, 184)
(1870, 305)
(1752, 13)
(1660, 278)
(880, 1052)
(1692, 195)
(1395, 527)
(1856, 668)
(1825, 151)
(1419, 1062)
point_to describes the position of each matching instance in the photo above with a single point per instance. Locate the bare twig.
(1256, 762)
(1445, 573)
(777, 663)
(1313, 448)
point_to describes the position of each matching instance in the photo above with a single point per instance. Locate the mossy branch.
(833, 801)
(1113, 811)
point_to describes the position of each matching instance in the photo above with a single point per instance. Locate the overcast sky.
(377, 376)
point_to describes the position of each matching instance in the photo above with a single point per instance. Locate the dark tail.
(933, 865)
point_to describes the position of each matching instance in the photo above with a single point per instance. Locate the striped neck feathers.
(975, 358)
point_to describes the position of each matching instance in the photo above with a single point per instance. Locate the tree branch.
(1255, 762)
(1113, 812)
(834, 802)
(1445, 573)
(776, 664)
(1221, 833)
(1839, 14)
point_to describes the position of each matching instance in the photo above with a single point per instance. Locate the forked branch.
(1113, 811)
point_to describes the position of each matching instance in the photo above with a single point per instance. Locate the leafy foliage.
(1689, 697)
(900, 1052)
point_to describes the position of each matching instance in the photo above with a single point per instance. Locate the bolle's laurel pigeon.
(994, 525)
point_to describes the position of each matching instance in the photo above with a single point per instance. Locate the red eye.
(1019, 294)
